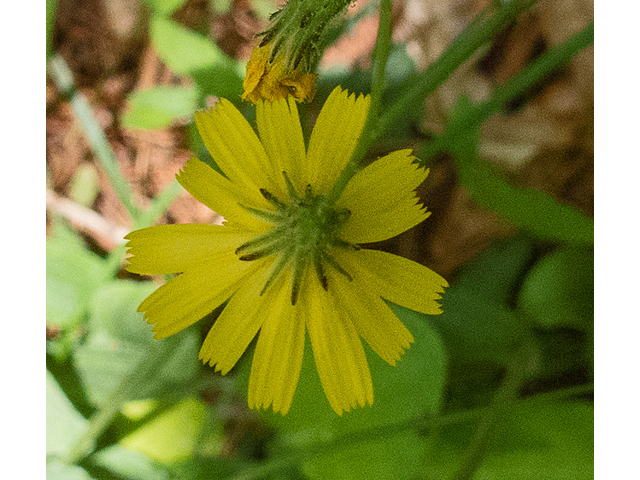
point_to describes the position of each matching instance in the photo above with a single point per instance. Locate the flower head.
(287, 260)
(270, 77)
(284, 61)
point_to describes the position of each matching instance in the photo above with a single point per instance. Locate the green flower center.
(306, 228)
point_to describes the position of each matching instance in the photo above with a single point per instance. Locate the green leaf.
(532, 210)
(73, 275)
(380, 441)
(188, 53)
(56, 470)
(478, 323)
(165, 7)
(129, 464)
(64, 422)
(158, 107)
(183, 50)
(173, 435)
(550, 441)
(559, 289)
(119, 337)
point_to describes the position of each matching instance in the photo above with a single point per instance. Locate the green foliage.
(52, 7)
(479, 323)
(130, 464)
(118, 340)
(73, 276)
(533, 210)
(165, 7)
(559, 289)
(550, 441)
(186, 53)
(57, 470)
(157, 438)
(158, 107)
(64, 422)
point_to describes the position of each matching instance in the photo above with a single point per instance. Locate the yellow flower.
(287, 260)
(273, 80)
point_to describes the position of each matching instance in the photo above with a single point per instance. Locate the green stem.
(155, 355)
(290, 458)
(480, 31)
(515, 86)
(62, 76)
(379, 61)
(506, 396)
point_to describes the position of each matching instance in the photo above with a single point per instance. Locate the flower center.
(305, 230)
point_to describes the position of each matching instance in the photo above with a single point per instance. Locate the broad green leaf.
(199, 468)
(559, 289)
(73, 275)
(64, 422)
(129, 464)
(117, 340)
(189, 53)
(165, 7)
(550, 441)
(532, 210)
(158, 107)
(173, 435)
(369, 443)
(183, 50)
(57, 470)
(479, 323)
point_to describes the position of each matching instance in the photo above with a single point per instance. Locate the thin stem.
(480, 31)
(505, 398)
(292, 457)
(515, 86)
(483, 28)
(62, 76)
(379, 60)
(156, 354)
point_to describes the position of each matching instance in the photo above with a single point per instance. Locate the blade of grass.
(485, 26)
(556, 57)
(59, 71)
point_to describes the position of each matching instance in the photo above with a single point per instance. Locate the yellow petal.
(281, 134)
(396, 279)
(176, 248)
(334, 137)
(274, 81)
(275, 369)
(237, 326)
(338, 352)
(235, 147)
(372, 318)
(191, 295)
(256, 68)
(222, 196)
(382, 200)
